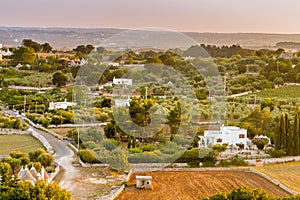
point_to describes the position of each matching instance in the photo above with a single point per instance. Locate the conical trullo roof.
(27, 175)
(33, 172)
(44, 174)
(21, 172)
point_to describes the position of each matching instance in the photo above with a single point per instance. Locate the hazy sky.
(280, 16)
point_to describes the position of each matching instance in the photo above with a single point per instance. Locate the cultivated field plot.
(24, 143)
(286, 173)
(196, 185)
(287, 92)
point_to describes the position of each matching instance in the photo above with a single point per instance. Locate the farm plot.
(196, 185)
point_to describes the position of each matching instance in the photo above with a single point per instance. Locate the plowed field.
(196, 185)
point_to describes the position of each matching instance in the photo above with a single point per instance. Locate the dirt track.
(196, 185)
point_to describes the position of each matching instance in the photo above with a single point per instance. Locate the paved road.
(63, 154)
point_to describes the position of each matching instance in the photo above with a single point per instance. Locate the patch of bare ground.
(61, 131)
(196, 185)
(90, 183)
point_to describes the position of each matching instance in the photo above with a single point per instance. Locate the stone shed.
(144, 182)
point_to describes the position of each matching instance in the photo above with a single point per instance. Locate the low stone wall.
(53, 175)
(92, 165)
(41, 128)
(4, 131)
(32, 132)
(71, 146)
(260, 162)
(140, 167)
(43, 141)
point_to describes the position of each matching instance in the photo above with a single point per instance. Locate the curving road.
(63, 154)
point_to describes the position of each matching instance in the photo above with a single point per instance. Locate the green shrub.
(207, 156)
(145, 157)
(90, 145)
(220, 147)
(45, 159)
(37, 166)
(148, 148)
(260, 142)
(87, 156)
(50, 169)
(193, 164)
(135, 150)
(276, 153)
(223, 163)
(109, 144)
(236, 161)
(170, 148)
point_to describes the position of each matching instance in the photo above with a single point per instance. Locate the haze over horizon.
(215, 16)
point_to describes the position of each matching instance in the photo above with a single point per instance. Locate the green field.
(287, 174)
(287, 92)
(24, 143)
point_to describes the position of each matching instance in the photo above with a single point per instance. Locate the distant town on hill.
(69, 38)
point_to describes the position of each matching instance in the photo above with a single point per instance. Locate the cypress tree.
(289, 136)
(129, 141)
(296, 136)
(277, 136)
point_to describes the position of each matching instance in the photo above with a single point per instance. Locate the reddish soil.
(196, 185)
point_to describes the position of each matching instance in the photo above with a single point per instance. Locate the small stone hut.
(144, 182)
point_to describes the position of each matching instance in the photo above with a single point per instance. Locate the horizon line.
(182, 31)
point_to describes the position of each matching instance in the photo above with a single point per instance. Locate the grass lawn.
(24, 143)
(287, 173)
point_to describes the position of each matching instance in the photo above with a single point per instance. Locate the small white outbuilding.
(144, 182)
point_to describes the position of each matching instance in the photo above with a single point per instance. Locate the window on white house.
(241, 136)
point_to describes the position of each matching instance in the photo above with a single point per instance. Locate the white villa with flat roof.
(122, 81)
(231, 135)
(60, 105)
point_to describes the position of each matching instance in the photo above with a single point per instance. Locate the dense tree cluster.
(36, 46)
(287, 136)
(12, 122)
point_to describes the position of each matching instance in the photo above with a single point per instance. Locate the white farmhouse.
(60, 105)
(227, 134)
(122, 81)
(6, 53)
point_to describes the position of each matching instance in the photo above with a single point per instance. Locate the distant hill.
(249, 40)
(69, 38)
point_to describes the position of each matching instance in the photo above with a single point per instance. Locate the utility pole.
(78, 138)
(146, 92)
(225, 83)
(24, 104)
